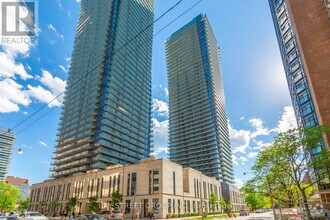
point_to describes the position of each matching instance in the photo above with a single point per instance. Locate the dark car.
(244, 212)
(90, 217)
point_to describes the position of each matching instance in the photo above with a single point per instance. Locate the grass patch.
(212, 217)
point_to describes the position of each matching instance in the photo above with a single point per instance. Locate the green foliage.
(71, 204)
(116, 199)
(93, 205)
(188, 214)
(55, 204)
(213, 201)
(23, 204)
(223, 204)
(280, 168)
(42, 206)
(9, 196)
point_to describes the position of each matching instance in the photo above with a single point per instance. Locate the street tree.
(284, 164)
(42, 205)
(116, 199)
(223, 204)
(93, 205)
(9, 196)
(55, 204)
(23, 204)
(256, 200)
(71, 205)
(213, 201)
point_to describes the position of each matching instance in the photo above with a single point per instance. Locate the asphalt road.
(255, 216)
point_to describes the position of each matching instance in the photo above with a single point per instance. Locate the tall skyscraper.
(198, 128)
(6, 147)
(303, 32)
(106, 114)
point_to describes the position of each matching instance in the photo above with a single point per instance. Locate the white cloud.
(166, 91)
(160, 132)
(257, 123)
(239, 139)
(52, 28)
(241, 118)
(63, 68)
(25, 113)
(260, 145)
(56, 86)
(238, 182)
(43, 143)
(59, 3)
(160, 107)
(26, 146)
(234, 159)
(43, 95)
(11, 95)
(287, 120)
(67, 59)
(252, 154)
(78, 1)
(10, 68)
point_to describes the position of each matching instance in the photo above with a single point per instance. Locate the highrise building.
(198, 127)
(22, 184)
(303, 32)
(106, 114)
(6, 146)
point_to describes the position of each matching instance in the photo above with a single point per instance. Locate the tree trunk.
(307, 210)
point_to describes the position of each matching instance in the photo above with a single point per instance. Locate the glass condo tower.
(198, 127)
(106, 113)
(303, 34)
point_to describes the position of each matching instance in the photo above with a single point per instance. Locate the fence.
(318, 211)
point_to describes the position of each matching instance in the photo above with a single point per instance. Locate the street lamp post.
(270, 194)
(19, 150)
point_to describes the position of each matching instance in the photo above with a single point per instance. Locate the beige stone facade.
(153, 185)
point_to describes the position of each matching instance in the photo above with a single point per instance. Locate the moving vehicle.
(112, 214)
(244, 212)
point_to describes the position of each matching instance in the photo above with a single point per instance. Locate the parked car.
(2, 217)
(317, 212)
(32, 216)
(112, 214)
(90, 217)
(244, 212)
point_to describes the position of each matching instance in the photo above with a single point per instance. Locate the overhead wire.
(85, 75)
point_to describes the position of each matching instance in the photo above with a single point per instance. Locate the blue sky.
(257, 96)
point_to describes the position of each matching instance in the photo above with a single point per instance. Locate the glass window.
(155, 205)
(169, 209)
(127, 206)
(302, 98)
(133, 189)
(306, 109)
(310, 121)
(301, 86)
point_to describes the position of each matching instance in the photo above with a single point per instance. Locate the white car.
(32, 216)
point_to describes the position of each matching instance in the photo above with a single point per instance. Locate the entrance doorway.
(145, 207)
